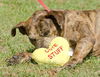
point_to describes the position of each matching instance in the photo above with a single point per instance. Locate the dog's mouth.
(42, 42)
(33, 40)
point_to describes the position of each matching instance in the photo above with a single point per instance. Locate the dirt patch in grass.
(1, 4)
(3, 49)
(4, 4)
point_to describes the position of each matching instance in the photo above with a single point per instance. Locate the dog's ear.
(57, 18)
(21, 27)
(59, 15)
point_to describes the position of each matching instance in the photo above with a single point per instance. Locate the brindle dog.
(80, 28)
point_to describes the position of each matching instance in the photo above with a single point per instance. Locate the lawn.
(14, 11)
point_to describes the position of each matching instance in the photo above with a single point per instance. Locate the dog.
(80, 28)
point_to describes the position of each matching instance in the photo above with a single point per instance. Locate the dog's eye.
(46, 33)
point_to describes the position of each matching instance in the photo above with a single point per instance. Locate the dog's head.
(40, 25)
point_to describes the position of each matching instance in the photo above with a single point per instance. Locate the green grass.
(14, 11)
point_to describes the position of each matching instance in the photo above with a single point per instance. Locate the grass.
(14, 11)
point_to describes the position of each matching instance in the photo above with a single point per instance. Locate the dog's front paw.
(19, 58)
(72, 63)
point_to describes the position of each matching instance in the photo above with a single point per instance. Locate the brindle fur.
(80, 28)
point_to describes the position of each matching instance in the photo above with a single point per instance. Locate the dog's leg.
(96, 49)
(82, 49)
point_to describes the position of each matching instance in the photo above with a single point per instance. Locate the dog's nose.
(34, 39)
